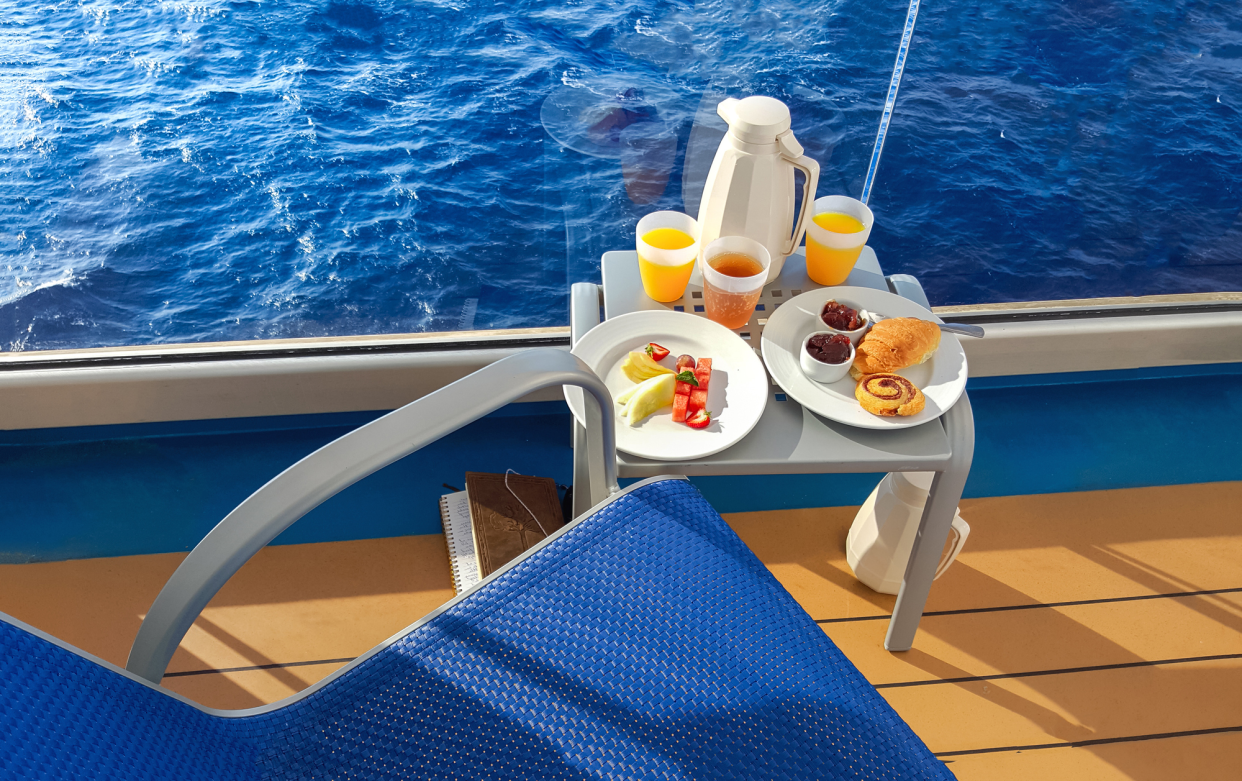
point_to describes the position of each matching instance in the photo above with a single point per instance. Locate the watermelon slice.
(680, 407)
(703, 372)
(698, 400)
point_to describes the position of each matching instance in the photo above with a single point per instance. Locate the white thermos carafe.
(880, 540)
(750, 188)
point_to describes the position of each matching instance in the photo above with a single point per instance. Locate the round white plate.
(942, 378)
(736, 395)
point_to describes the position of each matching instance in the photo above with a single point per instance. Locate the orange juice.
(730, 309)
(668, 238)
(661, 281)
(664, 283)
(831, 265)
(838, 222)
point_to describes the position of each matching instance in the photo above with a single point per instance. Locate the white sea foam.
(307, 242)
(43, 92)
(17, 288)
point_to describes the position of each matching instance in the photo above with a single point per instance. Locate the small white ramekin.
(857, 334)
(819, 371)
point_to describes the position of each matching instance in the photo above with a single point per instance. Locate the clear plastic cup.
(729, 299)
(831, 255)
(665, 272)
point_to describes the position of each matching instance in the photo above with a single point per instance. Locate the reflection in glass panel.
(1050, 150)
(232, 170)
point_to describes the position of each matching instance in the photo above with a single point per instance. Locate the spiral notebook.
(455, 514)
(491, 522)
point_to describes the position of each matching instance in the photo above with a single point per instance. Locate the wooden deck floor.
(1079, 636)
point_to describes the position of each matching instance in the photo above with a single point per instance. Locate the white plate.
(942, 378)
(735, 397)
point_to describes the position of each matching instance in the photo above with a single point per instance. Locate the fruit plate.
(736, 394)
(942, 378)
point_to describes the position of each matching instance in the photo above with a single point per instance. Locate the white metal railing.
(899, 68)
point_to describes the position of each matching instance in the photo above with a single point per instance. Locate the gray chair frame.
(341, 463)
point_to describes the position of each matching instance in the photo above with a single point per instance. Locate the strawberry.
(679, 408)
(698, 400)
(699, 419)
(656, 352)
(703, 372)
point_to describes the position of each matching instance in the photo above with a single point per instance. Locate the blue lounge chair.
(643, 640)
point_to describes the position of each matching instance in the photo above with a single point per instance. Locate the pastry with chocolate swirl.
(889, 395)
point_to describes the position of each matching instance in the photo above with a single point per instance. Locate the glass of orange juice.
(735, 270)
(668, 243)
(835, 236)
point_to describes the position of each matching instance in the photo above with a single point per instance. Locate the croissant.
(895, 344)
(888, 395)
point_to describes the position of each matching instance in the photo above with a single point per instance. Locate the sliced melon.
(653, 395)
(639, 366)
(624, 396)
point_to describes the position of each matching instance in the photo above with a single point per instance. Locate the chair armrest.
(341, 463)
(909, 287)
(584, 302)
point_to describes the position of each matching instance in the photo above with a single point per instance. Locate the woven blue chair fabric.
(65, 717)
(645, 642)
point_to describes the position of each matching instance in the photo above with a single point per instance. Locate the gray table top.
(788, 439)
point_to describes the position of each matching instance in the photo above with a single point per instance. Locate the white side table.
(790, 439)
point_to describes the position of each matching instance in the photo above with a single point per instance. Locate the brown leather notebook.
(503, 529)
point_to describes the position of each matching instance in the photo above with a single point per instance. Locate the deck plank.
(290, 603)
(1025, 549)
(954, 646)
(1198, 757)
(249, 688)
(1073, 707)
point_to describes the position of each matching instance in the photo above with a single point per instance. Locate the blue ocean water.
(1049, 150)
(178, 172)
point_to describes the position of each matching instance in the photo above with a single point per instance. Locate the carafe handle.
(962, 530)
(791, 150)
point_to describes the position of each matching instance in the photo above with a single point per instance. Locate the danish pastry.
(889, 395)
(895, 344)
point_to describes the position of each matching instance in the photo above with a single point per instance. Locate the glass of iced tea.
(668, 243)
(835, 236)
(735, 269)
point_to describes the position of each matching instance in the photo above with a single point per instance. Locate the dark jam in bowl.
(841, 317)
(829, 348)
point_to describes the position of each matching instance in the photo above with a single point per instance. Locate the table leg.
(942, 501)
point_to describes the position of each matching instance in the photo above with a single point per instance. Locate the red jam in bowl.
(841, 317)
(829, 348)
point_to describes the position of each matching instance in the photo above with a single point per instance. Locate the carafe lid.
(757, 119)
